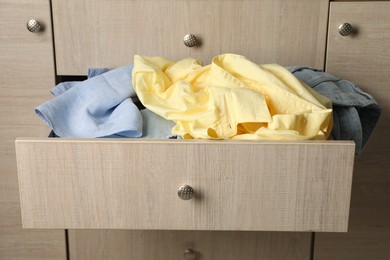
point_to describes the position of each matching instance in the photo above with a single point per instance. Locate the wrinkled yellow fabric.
(232, 98)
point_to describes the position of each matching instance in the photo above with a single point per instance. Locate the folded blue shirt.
(355, 113)
(98, 107)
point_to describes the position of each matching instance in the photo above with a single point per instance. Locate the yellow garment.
(231, 98)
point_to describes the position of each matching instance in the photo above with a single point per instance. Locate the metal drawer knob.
(33, 26)
(190, 40)
(189, 254)
(185, 192)
(345, 29)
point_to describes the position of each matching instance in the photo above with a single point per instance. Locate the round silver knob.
(345, 29)
(189, 254)
(33, 26)
(190, 40)
(185, 192)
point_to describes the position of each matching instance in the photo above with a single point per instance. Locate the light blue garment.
(355, 113)
(98, 107)
(62, 87)
(92, 72)
(153, 125)
(156, 126)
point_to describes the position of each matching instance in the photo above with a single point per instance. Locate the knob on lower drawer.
(189, 254)
(185, 192)
(33, 26)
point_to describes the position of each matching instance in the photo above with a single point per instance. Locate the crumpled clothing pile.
(232, 98)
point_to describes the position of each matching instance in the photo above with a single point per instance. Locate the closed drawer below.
(133, 184)
(173, 245)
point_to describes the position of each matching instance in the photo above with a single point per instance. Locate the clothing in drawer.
(231, 185)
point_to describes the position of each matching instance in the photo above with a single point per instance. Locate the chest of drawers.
(238, 186)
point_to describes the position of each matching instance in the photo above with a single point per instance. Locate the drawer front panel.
(171, 245)
(133, 184)
(99, 33)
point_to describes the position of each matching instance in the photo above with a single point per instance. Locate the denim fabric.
(355, 113)
(98, 107)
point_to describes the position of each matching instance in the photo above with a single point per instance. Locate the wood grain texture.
(364, 59)
(132, 184)
(101, 33)
(359, 0)
(27, 74)
(216, 245)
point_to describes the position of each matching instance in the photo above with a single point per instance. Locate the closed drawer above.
(364, 54)
(133, 184)
(99, 33)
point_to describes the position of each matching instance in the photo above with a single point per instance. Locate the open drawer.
(134, 183)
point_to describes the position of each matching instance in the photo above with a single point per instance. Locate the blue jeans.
(355, 113)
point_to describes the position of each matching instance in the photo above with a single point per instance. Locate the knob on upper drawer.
(33, 26)
(345, 29)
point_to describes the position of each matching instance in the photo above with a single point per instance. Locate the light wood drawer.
(171, 245)
(133, 184)
(100, 33)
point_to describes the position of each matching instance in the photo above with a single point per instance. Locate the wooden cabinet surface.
(133, 184)
(96, 33)
(364, 58)
(26, 75)
(171, 245)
